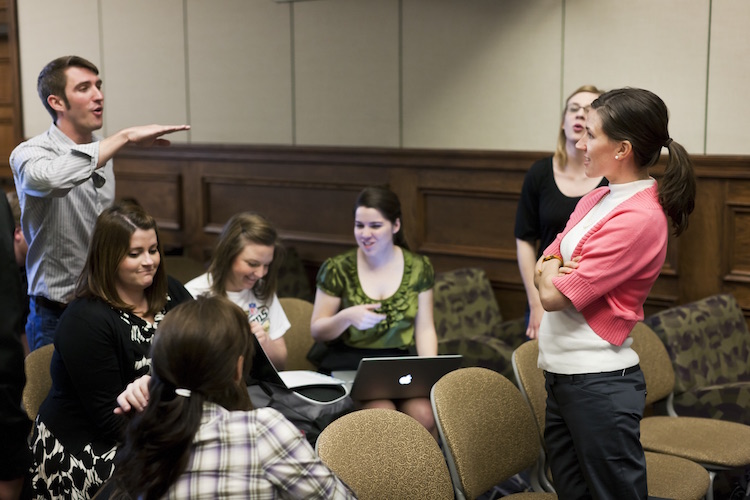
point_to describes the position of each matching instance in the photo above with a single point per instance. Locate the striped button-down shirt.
(254, 454)
(61, 193)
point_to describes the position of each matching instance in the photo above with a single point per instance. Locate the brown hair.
(52, 79)
(196, 348)
(561, 154)
(109, 245)
(240, 230)
(641, 118)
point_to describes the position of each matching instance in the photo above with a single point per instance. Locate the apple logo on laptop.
(405, 380)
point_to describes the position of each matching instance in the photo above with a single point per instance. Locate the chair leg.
(710, 492)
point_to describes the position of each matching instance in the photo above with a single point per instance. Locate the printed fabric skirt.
(56, 473)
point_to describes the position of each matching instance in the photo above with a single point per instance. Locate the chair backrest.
(385, 454)
(298, 338)
(486, 427)
(530, 379)
(38, 379)
(707, 340)
(293, 278)
(465, 304)
(655, 363)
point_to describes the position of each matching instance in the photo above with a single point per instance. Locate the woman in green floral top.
(376, 300)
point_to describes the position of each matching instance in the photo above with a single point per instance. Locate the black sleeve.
(15, 458)
(177, 293)
(528, 223)
(93, 359)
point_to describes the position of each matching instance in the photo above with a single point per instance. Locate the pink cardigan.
(622, 256)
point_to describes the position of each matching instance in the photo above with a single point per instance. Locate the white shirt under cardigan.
(256, 310)
(567, 344)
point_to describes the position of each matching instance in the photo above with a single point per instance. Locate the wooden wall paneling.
(458, 208)
(737, 242)
(10, 90)
(193, 208)
(158, 188)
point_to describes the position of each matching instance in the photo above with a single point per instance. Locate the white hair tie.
(185, 393)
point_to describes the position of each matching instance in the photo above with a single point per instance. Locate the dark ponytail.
(677, 188)
(194, 360)
(641, 118)
(158, 443)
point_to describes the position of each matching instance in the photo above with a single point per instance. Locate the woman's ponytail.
(677, 187)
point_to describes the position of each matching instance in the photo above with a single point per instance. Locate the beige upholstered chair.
(385, 454)
(298, 338)
(716, 444)
(487, 430)
(668, 476)
(38, 379)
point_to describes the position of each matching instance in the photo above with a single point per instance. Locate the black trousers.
(592, 435)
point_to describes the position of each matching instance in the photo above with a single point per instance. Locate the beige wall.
(474, 74)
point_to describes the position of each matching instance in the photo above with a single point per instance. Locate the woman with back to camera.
(101, 344)
(199, 437)
(376, 300)
(593, 281)
(245, 268)
(551, 189)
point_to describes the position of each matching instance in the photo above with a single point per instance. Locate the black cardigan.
(94, 360)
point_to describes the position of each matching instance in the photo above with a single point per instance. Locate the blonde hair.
(561, 154)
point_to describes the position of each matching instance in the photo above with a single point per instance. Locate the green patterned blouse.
(338, 277)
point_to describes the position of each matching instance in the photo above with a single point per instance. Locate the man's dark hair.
(52, 79)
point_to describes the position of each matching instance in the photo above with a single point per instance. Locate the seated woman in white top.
(245, 268)
(198, 437)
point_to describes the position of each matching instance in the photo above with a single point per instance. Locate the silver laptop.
(401, 377)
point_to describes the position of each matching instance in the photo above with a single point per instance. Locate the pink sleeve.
(629, 246)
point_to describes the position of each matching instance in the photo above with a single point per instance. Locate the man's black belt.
(49, 304)
(579, 377)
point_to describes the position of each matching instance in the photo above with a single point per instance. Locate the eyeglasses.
(575, 108)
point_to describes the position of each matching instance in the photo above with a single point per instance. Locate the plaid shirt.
(257, 454)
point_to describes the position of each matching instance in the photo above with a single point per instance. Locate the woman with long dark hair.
(593, 281)
(376, 299)
(101, 344)
(198, 437)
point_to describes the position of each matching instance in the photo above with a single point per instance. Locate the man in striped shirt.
(64, 179)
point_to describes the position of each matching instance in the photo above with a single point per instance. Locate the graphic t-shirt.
(269, 313)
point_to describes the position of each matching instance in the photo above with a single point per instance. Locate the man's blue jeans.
(41, 324)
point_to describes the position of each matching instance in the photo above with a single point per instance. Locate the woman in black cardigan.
(101, 344)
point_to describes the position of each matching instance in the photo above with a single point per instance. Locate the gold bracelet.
(550, 257)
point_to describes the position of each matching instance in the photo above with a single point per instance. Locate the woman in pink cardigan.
(592, 281)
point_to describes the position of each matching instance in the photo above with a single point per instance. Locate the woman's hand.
(328, 322)
(536, 312)
(552, 299)
(569, 266)
(135, 396)
(363, 317)
(260, 332)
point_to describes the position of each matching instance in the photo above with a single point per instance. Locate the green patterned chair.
(709, 344)
(293, 279)
(468, 321)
